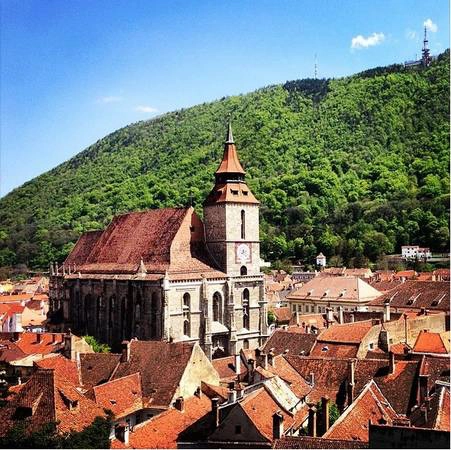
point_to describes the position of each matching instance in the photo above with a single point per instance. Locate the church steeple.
(230, 185)
(230, 168)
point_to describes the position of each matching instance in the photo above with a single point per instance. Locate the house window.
(237, 429)
(246, 344)
(243, 224)
(246, 311)
(243, 270)
(371, 346)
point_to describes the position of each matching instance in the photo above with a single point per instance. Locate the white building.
(321, 260)
(415, 252)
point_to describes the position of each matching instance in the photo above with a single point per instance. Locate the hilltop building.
(321, 260)
(167, 275)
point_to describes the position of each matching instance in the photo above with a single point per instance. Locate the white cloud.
(431, 26)
(410, 34)
(365, 42)
(110, 99)
(146, 109)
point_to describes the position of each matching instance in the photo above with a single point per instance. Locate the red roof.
(63, 367)
(295, 343)
(168, 239)
(230, 162)
(370, 405)
(161, 365)
(163, 430)
(431, 343)
(122, 396)
(43, 343)
(414, 294)
(351, 333)
(50, 398)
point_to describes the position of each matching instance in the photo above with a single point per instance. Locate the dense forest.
(354, 167)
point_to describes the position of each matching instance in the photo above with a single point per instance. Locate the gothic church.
(167, 275)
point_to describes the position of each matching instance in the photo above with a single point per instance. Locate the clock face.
(243, 253)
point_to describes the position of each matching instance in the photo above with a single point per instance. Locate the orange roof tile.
(370, 405)
(163, 430)
(63, 367)
(51, 398)
(122, 396)
(352, 333)
(428, 342)
(43, 343)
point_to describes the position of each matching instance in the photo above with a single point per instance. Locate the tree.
(97, 346)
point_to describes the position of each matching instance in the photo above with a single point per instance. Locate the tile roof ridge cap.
(119, 379)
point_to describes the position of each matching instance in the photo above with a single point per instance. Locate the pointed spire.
(229, 137)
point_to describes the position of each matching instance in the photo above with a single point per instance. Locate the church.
(166, 274)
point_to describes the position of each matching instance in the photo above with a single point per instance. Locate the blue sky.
(74, 71)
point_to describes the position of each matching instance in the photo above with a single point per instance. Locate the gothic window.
(153, 315)
(246, 321)
(217, 307)
(112, 305)
(243, 270)
(243, 224)
(186, 314)
(186, 327)
(99, 313)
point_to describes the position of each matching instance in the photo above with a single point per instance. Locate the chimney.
(277, 425)
(231, 396)
(387, 311)
(38, 337)
(330, 315)
(271, 358)
(297, 318)
(312, 422)
(325, 401)
(125, 357)
(312, 379)
(215, 411)
(307, 329)
(238, 364)
(352, 317)
(392, 363)
(340, 315)
(265, 361)
(179, 404)
(53, 338)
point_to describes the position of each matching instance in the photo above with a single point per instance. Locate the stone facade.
(219, 304)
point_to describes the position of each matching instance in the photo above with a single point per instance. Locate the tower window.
(217, 307)
(243, 224)
(246, 311)
(243, 270)
(186, 314)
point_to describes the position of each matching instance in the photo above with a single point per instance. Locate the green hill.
(354, 167)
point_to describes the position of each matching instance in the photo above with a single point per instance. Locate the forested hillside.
(355, 167)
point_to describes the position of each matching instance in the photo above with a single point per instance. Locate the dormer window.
(234, 192)
(244, 192)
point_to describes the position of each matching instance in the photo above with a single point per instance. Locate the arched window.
(186, 314)
(243, 224)
(217, 307)
(246, 321)
(243, 270)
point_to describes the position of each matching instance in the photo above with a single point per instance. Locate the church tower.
(231, 217)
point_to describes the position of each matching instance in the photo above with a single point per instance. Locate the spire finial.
(229, 138)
